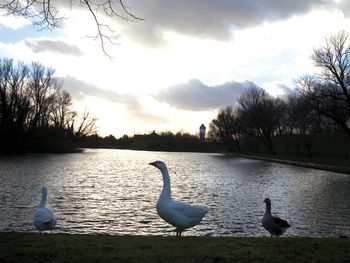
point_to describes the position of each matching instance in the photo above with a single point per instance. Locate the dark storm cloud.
(196, 96)
(208, 18)
(56, 46)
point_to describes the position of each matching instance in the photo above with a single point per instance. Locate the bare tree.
(61, 108)
(329, 91)
(226, 128)
(80, 127)
(35, 113)
(45, 14)
(260, 115)
(14, 105)
(42, 89)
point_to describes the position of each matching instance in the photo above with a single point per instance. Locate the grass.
(326, 151)
(30, 247)
(316, 163)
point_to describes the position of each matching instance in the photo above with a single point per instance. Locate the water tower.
(202, 133)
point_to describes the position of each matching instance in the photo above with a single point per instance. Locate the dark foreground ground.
(20, 247)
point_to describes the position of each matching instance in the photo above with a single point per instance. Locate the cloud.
(13, 22)
(57, 46)
(78, 89)
(210, 19)
(196, 96)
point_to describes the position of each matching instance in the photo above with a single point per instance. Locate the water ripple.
(115, 192)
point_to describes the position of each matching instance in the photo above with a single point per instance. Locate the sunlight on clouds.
(116, 119)
(176, 120)
(282, 50)
(13, 22)
(109, 115)
(269, 55)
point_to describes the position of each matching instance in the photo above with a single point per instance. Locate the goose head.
(159, 164)
(267, 201)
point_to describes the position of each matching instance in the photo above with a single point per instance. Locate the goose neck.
(43, 200)
(166, 192)
(268, 209)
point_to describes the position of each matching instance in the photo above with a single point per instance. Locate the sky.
(173, 70)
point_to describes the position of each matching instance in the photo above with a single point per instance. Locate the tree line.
(161, 141)
(36, 114)
(320, 103)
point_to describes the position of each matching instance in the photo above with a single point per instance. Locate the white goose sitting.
(273, 224)
(176, 213)
(44, 218)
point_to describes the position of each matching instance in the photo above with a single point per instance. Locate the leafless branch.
(45, 15)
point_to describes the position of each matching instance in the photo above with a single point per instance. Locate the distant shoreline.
(318, 166)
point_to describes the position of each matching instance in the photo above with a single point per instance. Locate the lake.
(115, 192)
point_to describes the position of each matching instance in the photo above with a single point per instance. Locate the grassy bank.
(20, 247)
(316, 163)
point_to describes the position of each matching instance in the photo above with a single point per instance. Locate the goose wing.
(280, 222)
(188, 209)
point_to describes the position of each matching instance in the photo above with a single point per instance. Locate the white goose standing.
(176, 213)
(273, 224)
(44, 218)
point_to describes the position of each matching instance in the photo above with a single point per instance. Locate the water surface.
(115, 192)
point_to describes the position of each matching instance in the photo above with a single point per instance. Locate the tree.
(14, 105)
(260, 115)
(86, 125)
(61, 108)
(45, 14)
(35, 112)
(42, 89)
(329, 91)
(304, 118)
(226, 128)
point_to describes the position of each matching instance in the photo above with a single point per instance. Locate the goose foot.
(178, 232)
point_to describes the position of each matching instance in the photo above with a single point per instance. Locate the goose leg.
(178, 232)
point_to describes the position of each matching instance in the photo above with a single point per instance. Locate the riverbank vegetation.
(27, 247)
(153, 141)
(311, 123)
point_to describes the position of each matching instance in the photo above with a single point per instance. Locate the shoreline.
(318, 166)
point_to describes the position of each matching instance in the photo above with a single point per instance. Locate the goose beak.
(152, 163)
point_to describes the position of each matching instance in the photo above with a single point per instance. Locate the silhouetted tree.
(42, 89)
(302, 118)
(226, 128)
(61, 108)
(260, 115)
(35, 113)
(14, 105)
(83, 126)
(329, 92)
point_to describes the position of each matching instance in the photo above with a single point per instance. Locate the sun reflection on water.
(115, 192)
